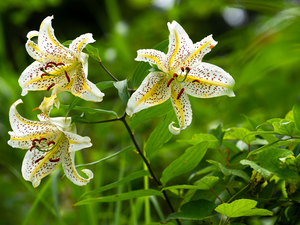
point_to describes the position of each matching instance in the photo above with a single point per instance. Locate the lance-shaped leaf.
(93, 52)
(122, 88)
(242, 207)
(263, 172)
(239, 173)
(121, 197)
(197, 138)
(194, 210)
(186, 162)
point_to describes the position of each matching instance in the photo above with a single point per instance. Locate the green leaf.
(218, 133)
(105, 85)
(93, 52)
(183, 186)
(263, 172)
(269, 122)
(129, 148)
(186, 162)
(73, 103)
(242, 134)
(284, 127)
(120, 197)
(242, 207)
(130, 177)
(251, 122)
(296, 113)
(207, 183)
(203, 171)
(239, 173)
(90, 110)
(194, 210)
(155, 111)
(198, 138)
(160, 135)
(122, 88)
(269, 159)
(143, 68)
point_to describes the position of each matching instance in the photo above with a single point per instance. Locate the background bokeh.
(258, 45)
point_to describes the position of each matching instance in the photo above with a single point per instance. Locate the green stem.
(109, 73)
(216, 195)
(238, 193)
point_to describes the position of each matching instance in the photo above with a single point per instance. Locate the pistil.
(180, 93)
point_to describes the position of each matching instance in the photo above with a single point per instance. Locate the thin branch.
(109, 73)
(216, 195)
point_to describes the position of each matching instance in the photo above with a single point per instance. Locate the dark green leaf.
(263, 172)
(160, 135)
(296, 113)
(269, 159)
(143, 68)
(194, 210)
(122, 88)
(186, 162)
(239, 173)
(242, 207)
(120, 197)
(251, 122)
(203, 171)
(105, 85)
(155, 111)
(218, 133)
(73, 103)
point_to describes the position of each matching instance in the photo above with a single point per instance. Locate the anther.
(42, 139)
(180, 93)
(198, 81)
(33, 141)
(31, 147)
(54, 160)
(44, 74)
(51, 85)
(60, 64)
(35, 109)
(49, 63)
(175, 75)
(38, 159)
(169, 82)
(51, 142)
(67, 76)
(182, 69)
(188, 69)
(48, 66)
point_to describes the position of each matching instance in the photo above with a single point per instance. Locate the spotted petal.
(182, 107)
(152, 91)
(71, 172)
(180, 47)
(77, 142)
(32, 48)
(201, 48)
(79, 43)
(48, 44)
(207, 81)
(152, 56)
(38, 164)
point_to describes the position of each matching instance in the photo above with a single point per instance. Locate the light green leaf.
(155, 111)
(218, 133)
(93, 52)
(124, 180)
(262, 171)
(122, 88)
(296, 113)
(269, 159)
(160, 135)
(242, 134)
(186, 162)
(105, 85)
(242, 207)
(183, 186)
(194, 210)
(284, 127)
(207, 183)
(120, 197)
(73, 103)
(143, 68)
(198, 138)
(90, 110)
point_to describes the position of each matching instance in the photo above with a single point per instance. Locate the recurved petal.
(37, 164)
(77, 142)
(22, 126)
(207, 81)
(48, 44)
(201, 48)
(71, 172)
(180, 47)
(32, 48)
(152, 56)
(79, 43)
(46, 106)
(152, 91)
(182, 107)
(81, 87)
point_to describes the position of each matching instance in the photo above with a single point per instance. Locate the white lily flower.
(49, 143)
(57, 67)
(181, 72)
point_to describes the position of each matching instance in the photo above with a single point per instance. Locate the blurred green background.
(258, 45)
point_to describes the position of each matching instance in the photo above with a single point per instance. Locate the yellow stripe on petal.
(198, 50)
(151, 57)
(176, 48)
(51, 38)
(210, 82)
(81, 43)
(150, 93)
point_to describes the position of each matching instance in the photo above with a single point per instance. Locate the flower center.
(44, 146)
(53, 69)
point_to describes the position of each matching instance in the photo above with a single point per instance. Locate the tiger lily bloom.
(178, 73)
(57, 67)
(49, 143)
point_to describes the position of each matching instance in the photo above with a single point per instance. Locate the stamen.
(60, 64)
(51, 85)
(44, 74)
(35, 109)
(175, 75)
(54, 160)
(33, 142)
(67, 76)
(180, 93)
(49, 63)
(42, 139)
(182, 69)
(48, 66)
(198, 81)
(188, 69)
(51, 142)
(31, 147)
(38, 159)
(169, 82)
